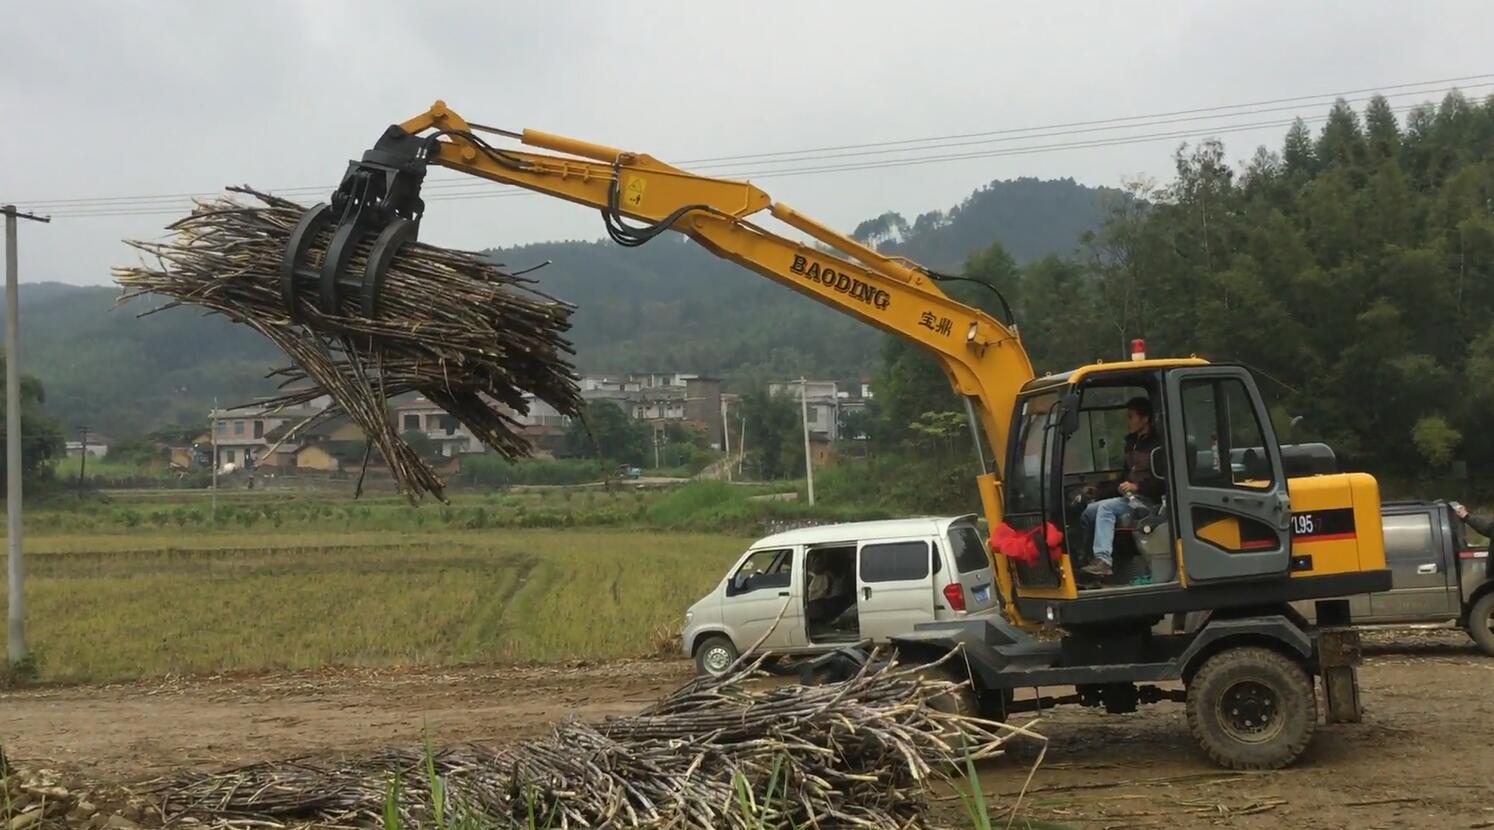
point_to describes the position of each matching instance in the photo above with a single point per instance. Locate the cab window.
(1099, 442)
(1025, 480)
(763, 569)
(1409, 537)
(1226, 444)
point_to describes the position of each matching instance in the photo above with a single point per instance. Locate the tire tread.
(1301, 694)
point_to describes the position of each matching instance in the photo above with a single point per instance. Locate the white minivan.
(836, 584)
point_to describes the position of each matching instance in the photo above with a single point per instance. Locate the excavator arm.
(379, 200)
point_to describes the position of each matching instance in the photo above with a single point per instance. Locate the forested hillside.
(671, 305)
(1353, 269)
(104, 368)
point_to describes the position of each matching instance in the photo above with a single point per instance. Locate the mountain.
(667, 305)
(105, 368)
(671, 305)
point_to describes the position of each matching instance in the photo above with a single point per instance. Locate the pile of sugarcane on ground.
(469, 336)
(715, 754)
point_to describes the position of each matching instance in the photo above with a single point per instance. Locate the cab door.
(1234, 517)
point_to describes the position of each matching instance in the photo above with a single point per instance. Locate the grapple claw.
(378, 203)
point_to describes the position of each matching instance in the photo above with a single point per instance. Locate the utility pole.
(726, 438)
(82, 458)
(742, 447)
(808, 462)
(16, 630)
(213, 437)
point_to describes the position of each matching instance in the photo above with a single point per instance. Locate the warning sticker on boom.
(633, 191)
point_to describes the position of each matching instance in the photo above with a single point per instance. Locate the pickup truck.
(1438, 576)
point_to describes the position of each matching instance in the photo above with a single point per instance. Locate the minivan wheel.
(715, 655)
(1481, 623)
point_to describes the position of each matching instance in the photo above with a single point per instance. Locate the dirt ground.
(1421, 759)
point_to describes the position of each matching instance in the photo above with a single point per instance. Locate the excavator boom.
(379, 200)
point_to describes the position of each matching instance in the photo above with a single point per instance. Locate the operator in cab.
(1100, 517)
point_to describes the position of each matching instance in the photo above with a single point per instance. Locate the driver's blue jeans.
(1099, 524)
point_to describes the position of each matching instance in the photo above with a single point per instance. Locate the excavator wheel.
(961, 701)
(1252, 708)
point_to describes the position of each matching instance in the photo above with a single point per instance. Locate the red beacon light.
(1138, 349)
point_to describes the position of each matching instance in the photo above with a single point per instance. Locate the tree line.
(1351, 269)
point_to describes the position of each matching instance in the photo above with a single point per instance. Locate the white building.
(450, 435)
(823, 399)
(239, 434)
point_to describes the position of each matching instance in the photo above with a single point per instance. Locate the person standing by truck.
(1483, 524)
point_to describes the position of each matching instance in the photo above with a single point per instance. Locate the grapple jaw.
(378, 202)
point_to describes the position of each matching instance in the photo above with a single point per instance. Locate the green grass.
(101, 610)
(143, 583)
(706, 505)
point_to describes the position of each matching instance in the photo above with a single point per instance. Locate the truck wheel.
(715, 655)
(962, 701)
(1252, 708)
(1481, 623)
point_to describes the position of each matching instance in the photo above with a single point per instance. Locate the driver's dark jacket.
(1139, 446)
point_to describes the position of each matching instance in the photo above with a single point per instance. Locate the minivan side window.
(969, 550)
(763, 569)
(895, 562)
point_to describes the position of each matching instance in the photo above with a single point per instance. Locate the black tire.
(1481, 623)
(962, 701)
(1252, 708)
(715, 655)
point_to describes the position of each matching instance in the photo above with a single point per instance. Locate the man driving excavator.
(1100, 516)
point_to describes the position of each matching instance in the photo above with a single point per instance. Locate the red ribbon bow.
(1021, 545)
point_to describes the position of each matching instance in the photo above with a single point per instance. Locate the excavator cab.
(1226, 526)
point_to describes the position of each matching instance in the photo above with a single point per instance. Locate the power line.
(1156, 123)
(1090, 123)
(487, 191)
(462, 187)
(1073, 126)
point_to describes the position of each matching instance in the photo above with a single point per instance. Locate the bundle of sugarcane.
(449, 324)
(861, 753)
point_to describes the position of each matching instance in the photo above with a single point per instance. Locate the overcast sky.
(125, 99)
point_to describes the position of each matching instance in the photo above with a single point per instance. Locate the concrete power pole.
(213, 437)
(16, 629)
(804, 413)
(82, 459)
(726, 438)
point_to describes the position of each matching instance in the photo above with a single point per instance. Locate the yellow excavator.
(1244, 530)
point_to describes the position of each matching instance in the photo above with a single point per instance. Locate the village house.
(823, 404)
(97, 446)
(424, 416)
(240, 434)
(327, 446)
